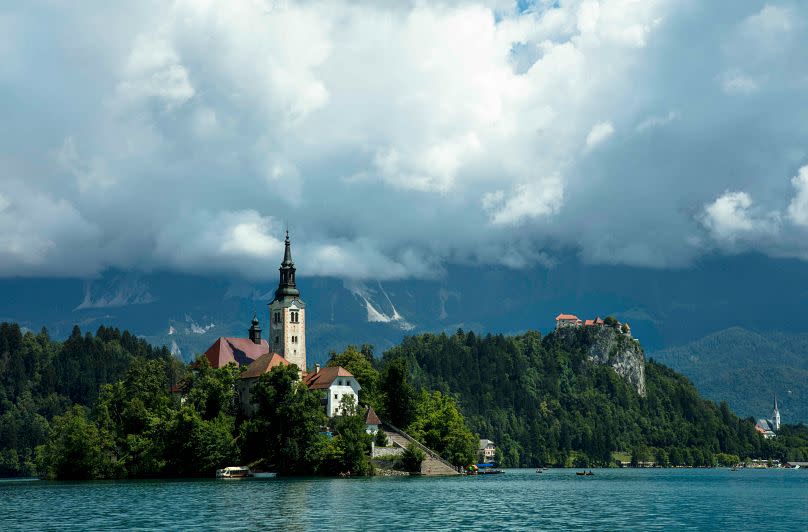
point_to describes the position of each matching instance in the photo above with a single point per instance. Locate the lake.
(640, 499)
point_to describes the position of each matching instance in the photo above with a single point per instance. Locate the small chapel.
(286, 345)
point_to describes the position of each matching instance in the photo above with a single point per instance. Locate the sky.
(396, 138)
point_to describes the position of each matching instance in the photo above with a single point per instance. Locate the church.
(769, 427)
(286, 345)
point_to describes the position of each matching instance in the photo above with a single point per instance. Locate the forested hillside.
(40, 379)
(746, 369)
(111, 406)
(545, 404)
(101, 406)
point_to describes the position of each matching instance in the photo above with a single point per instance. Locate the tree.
(198, 446)
(381, 439)
(399, 394)
(611, 321)
(412, 457)
(640, 454)
(287, 430)
(351, 443)
(440, 426)
(76, 449)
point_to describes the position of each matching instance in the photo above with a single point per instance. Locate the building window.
(293, 316)
(335, 396)
(277, 317)
(277, 339)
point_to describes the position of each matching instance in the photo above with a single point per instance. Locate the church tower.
(776, 415)
(254, 332)
(287, 315)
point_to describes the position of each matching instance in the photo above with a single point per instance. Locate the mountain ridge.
(747, 369)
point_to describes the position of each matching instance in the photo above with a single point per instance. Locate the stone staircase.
(433, 464)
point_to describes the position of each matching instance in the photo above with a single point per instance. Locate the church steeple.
(286, 284)
(287, 315)
(776, 415)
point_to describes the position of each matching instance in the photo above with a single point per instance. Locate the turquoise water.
(672, 499)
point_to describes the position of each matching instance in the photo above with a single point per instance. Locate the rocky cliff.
(610, 347)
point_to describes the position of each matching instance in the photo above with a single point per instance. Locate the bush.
(381, 439)
(412, 457)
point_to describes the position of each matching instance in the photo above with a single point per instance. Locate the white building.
(338, 383)
(487, 451)
(769, 427)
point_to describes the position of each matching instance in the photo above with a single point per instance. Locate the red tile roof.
(566, 317)
(589, 323)
(371, 418)
(263, 364)
(239, 350)
(322, 379)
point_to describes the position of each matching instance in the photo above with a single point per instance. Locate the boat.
(584, 473)
(234, 472)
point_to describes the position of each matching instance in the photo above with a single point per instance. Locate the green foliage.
(76, 449)
(351, 443)
(381, 439)
(439, 425)
(399, 393)
(791, 443)
(41, 378)
(746, 369)
(611, 321)
(359, 363)
(544, 403)
(412, 457)
(287, 430)
(197, 446)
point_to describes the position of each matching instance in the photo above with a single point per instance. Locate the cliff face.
(610, 347)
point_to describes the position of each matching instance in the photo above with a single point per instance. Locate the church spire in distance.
(286, 284)
(776, 415)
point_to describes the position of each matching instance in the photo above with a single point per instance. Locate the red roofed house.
(567, 320)
(240, 351)
(372, 421)
(337, 382)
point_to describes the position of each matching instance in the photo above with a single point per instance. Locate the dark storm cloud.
(188, 135)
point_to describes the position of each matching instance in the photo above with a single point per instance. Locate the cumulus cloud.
(730, 217)
(41, 234)
(527, 200)
(599, 133)
(657, 121)
(393, 138)
(798, 208)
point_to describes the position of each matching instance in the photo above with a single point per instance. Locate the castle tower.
(287, 315)
(776, 415)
